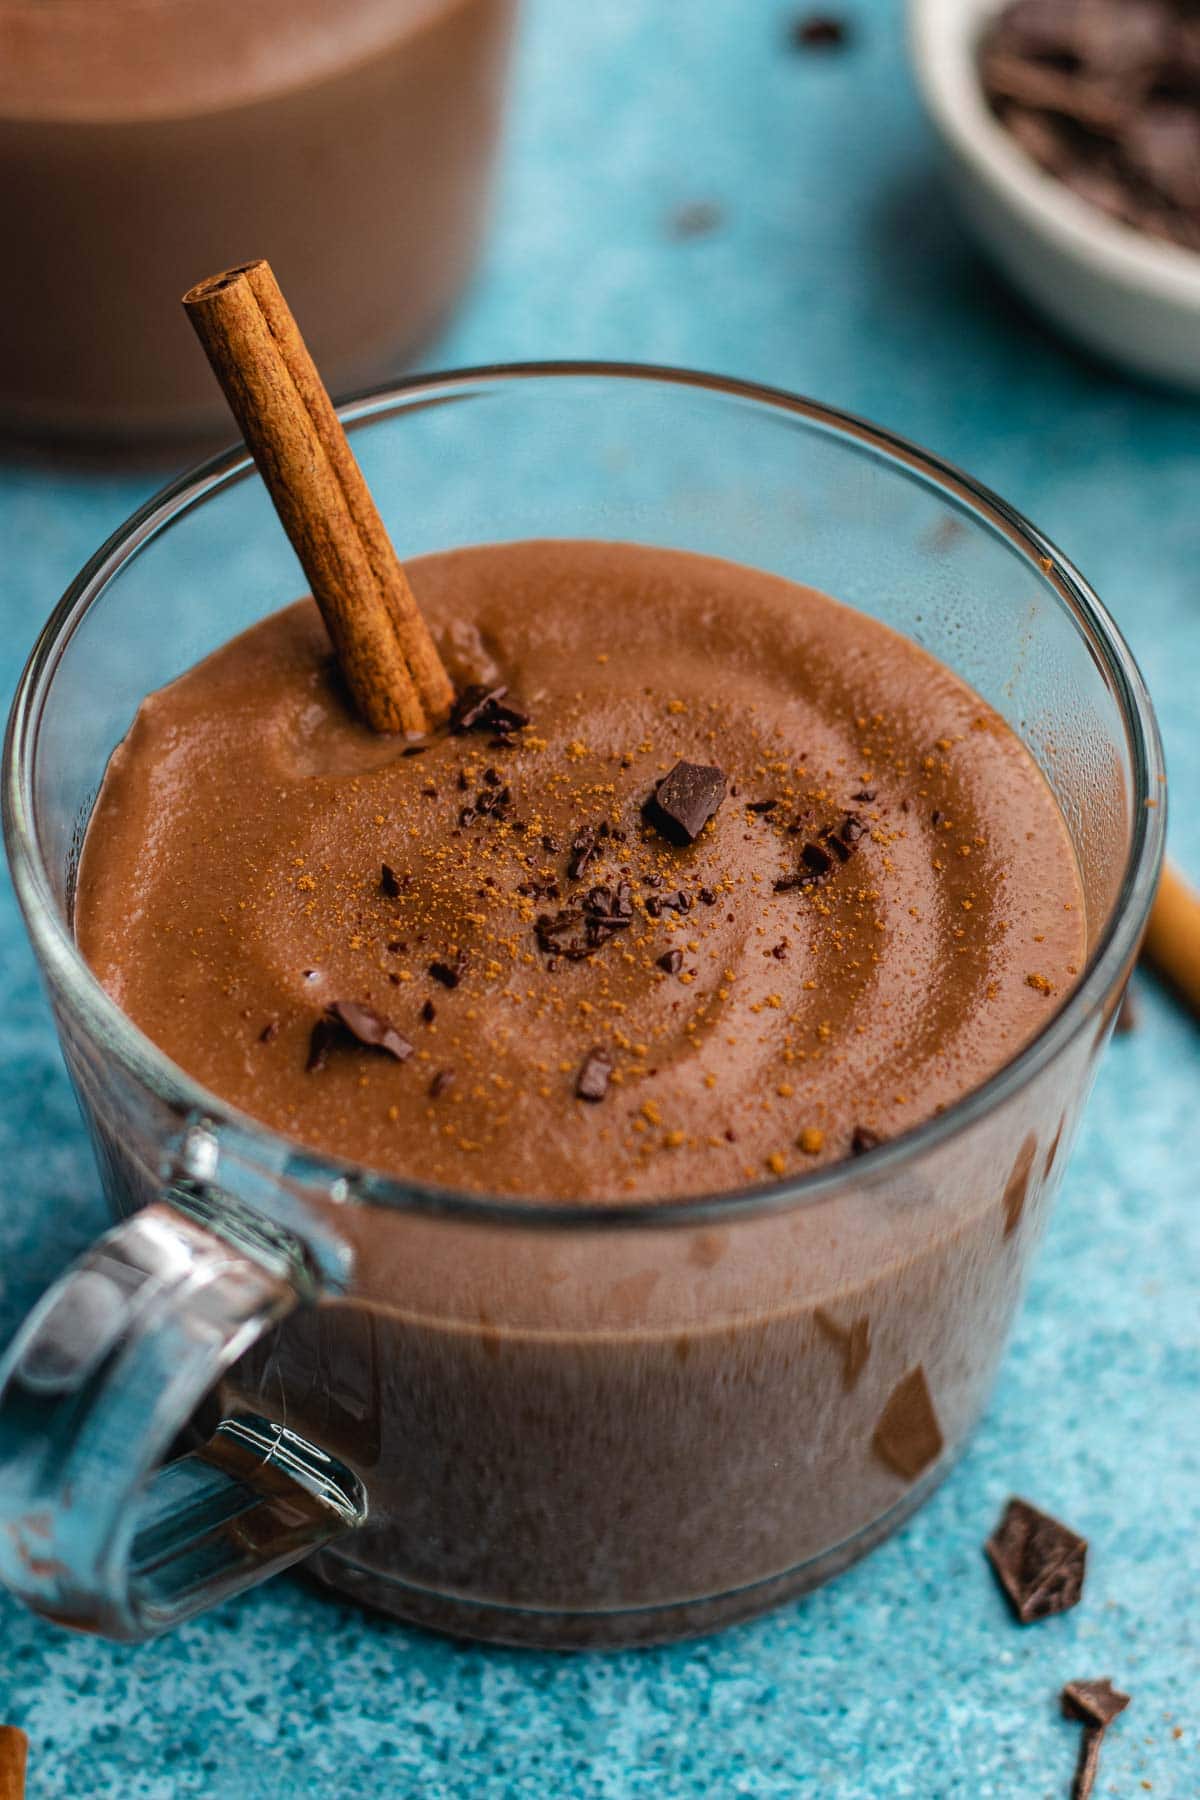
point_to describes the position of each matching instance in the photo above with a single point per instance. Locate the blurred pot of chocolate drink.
(140, 142)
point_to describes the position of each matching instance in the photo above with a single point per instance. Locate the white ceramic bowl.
(1132, 298)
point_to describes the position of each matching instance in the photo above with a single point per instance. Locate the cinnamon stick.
(14, 1748)
(1173, 936)
(383, 644)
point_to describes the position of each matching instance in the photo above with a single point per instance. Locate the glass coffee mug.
(538, 1423)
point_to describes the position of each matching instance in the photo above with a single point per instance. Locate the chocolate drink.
(565, 960)
(141, 144)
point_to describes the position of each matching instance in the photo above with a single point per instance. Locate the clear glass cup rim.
(355, 1184)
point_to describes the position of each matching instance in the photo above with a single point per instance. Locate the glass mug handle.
(96, 1531)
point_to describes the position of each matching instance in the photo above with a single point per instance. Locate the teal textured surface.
(831, 265)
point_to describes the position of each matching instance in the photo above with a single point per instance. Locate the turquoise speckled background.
(835, 269)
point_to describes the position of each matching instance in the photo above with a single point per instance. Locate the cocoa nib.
(685, 800)
(591, 1083)
(480, 708)
(1039, 1562)
(350, 1019)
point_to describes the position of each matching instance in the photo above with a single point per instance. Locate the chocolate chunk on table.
(1039, 1562)
(1095, 1704)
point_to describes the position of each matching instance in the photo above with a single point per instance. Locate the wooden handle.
(388, 657)
(1173, 936)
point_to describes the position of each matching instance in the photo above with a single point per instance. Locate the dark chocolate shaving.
(761, 806)
(1039, 1562)
(389, 882)
(591, 1083)
(671, 961)
(822, 853)
(685, 800)
(350, 1019)
(584, 846)
(1095, 1704)
(449, 974)
(818, 31)
(429, 1012)
(864, 1139)
(481, 708)
(442, 1080)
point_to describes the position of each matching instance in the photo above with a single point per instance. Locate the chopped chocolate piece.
(707, 897)
(583, 848)
(654, 907)
(389, 882)
(697, 218)
(818, 31)
(269, 1032)
(834, 842)
(493, 777)
(671, 961)
(779, 951)
(552, 932)
(442, 1080)
(1095, 1704)
(429, 1012)
(370, 1028)
(685, 800)
(549, 843)
(449, 974)
(591, 1083)
(866, 795)
(481, 708)
(908, 1437)
(853, 830)
(853, 1340)
(864, 1139)
(429, 791)
(414, 750)
(761, 806)
(467, 816)
(1039, 1562)
(816, 858)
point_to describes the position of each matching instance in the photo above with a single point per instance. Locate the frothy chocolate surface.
(548, 985)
